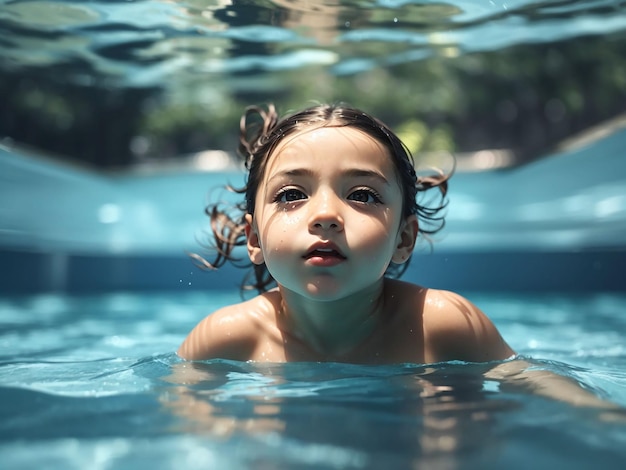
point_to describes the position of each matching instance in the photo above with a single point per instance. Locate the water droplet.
(395, 20)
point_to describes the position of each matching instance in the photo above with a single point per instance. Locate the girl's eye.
(289, 195)
(367, 196)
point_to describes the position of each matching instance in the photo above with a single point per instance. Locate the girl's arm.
(520, 375)
(465, 333)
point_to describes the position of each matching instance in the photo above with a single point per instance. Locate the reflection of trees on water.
(525, 97)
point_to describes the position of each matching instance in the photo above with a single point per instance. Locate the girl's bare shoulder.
(456, 329)
(437, 309)
(233, 331)
(252, 313)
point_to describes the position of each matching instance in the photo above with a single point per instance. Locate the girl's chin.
(327, 291)
(323, 291)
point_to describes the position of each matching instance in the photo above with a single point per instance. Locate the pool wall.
(558, 224)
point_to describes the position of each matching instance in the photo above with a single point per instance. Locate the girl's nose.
(325, 214)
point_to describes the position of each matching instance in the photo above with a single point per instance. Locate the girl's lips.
(324, 255)
(324, 250)
(324, 259)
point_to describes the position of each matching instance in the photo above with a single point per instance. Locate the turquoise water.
(93, 382)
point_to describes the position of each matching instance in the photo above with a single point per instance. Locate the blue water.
(93, 382)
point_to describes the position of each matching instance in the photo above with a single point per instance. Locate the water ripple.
(184, 40)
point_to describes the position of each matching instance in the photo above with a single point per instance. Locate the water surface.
(93, 381)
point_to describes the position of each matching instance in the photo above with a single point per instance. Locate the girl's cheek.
(291, 220)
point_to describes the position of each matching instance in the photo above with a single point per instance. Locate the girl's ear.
(405, 241)
(254, 246)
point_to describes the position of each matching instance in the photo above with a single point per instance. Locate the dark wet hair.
(261, 131)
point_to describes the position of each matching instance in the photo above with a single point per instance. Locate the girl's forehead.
(329, 142)
(328, 133)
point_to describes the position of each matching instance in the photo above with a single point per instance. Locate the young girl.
(330, 219)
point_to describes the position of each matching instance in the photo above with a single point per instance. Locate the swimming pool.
(89, 324)
(96, 291)
(92, 382)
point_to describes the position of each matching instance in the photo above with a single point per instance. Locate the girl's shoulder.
(453, 327)
(436, 308)
(231, 332)
(446, 313)
(428, 302)
(258, 309)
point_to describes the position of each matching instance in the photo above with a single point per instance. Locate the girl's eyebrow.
(350, 173)
(360, 173)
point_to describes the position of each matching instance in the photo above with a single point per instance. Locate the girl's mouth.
(324, 257)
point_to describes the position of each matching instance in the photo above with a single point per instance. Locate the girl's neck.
(332, 328)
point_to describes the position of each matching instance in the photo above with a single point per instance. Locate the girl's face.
(328, 215)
